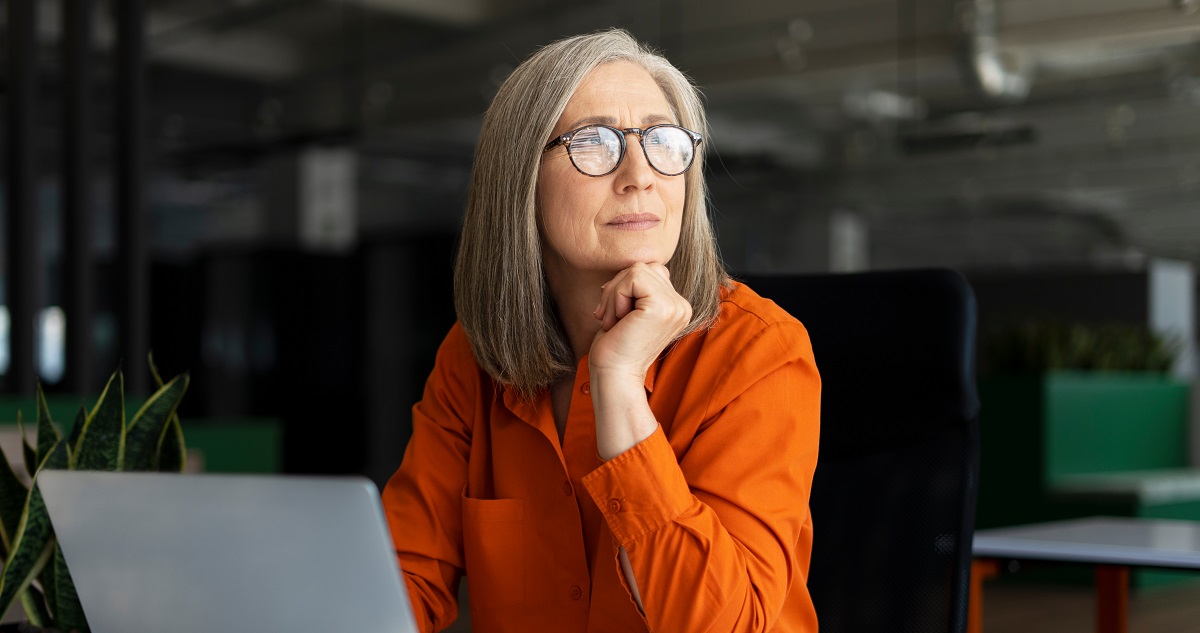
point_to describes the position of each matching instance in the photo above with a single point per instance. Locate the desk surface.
(1103, 540)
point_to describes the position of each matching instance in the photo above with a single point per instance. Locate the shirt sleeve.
(718, 536)
(422, 500)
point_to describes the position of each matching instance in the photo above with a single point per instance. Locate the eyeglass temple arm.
(562, 140)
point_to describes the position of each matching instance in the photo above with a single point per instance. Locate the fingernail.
(596, 312)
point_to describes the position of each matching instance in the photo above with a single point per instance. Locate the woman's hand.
(640, 314)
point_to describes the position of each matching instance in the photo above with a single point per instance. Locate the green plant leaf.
(68, 613)
(158, 381)
(30, 455)
(35, 607)
(47, 433)
(102, 440)
(147, 427)
(34, 543)
(12, 502)
(56, 459)
(76, 431)
(25, 564)
(49, 587)
(49, 580)
(171, 448)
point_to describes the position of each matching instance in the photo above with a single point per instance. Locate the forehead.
(616, 89)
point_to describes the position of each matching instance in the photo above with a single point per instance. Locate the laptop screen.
(153, 552)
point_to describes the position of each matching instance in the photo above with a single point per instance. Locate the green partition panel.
(1106, 422)
(253, 445)
(1036, 429)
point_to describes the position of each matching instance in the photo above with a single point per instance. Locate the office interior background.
(266, 193)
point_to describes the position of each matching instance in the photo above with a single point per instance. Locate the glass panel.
(4, 343)
(52, 345)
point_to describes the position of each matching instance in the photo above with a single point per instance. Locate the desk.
(1113, 545)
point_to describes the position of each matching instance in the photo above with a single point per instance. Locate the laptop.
(154, 552)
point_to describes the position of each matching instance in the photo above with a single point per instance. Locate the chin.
(648, 256)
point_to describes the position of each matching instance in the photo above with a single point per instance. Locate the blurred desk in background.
(1112, 545)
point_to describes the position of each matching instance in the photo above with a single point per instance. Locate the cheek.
(556, 194)
(675, 193)
(550, 201)
(556, 210)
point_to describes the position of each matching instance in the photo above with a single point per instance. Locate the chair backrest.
(893, 499)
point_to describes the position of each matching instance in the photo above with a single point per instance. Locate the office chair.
(893, 498)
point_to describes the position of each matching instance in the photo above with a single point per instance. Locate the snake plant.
(100, 439)
(1035, 346)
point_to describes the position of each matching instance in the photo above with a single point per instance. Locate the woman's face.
(608, 223)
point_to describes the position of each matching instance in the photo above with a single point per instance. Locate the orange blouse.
(712, 508)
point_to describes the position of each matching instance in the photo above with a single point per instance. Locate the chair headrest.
(895, 349)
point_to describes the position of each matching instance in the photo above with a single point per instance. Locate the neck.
(575, 296)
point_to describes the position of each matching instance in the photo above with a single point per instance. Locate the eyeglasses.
(597, 150)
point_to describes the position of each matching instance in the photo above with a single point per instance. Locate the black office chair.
(893, 500)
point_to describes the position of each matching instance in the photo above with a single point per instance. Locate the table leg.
(981, 570)
(1112, 599)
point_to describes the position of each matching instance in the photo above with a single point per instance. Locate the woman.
(615, 436)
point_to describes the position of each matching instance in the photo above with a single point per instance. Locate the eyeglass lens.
(596, 150)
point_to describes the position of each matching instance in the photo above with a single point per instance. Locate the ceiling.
(1092, 128)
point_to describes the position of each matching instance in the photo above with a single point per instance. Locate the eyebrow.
(607, 120)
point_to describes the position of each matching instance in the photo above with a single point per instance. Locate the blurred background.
(267, 192)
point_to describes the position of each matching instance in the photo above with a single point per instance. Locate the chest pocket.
(494, 551)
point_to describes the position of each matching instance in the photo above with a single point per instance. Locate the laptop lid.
(154, 552)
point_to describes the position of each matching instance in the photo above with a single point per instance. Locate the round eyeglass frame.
(565, 141)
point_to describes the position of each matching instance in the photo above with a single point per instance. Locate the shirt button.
(576, 592)
(586, 388)
(567, 489)
(614, 505)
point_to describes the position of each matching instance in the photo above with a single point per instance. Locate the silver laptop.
(156, 552)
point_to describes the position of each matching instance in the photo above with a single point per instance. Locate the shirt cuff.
(639, 490)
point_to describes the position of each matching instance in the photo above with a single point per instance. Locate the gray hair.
(500, 290)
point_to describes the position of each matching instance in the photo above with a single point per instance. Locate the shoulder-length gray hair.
(500, 290)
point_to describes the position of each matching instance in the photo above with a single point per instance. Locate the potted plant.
(101, 439)
(1044, 346)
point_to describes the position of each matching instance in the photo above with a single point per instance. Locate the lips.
(634, 221)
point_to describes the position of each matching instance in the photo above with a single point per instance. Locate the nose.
(634, 173)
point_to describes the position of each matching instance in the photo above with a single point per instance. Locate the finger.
(599, 311)
(605, 293)
(626, 296)
(622, 294)
(640, 282)
(613, 312)
(607, 311)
